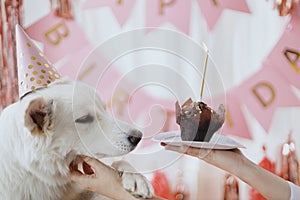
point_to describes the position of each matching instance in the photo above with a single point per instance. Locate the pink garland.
(285, 7)
(63, 8)
(11, 14)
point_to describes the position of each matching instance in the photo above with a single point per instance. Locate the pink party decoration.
(264, 92)
(71, 64)
(285, 57)
(212, 9)
(121, 8)
(235, 122)
(176, 12)
(34, 70)
(60, 37)
(285, 7)
(11, 14)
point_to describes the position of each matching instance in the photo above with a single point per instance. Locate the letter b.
(57, 33)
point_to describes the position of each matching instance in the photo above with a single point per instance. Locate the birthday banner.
(264, 92)
(60, 36)
(285, 56)
(235, 122)
(212, 9)
(261, 94)
(176, 12)
(270, 88)
(121, 8)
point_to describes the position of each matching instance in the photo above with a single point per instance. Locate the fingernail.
(163, 144)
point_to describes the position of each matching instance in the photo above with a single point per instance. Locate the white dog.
(42, 133)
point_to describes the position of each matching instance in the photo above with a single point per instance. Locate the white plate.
(217, 141)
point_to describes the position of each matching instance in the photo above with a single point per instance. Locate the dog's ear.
(38, 115)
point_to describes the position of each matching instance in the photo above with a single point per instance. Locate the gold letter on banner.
(215, 2)
(56, 33)
(228, 118)
(120, 2)
(264, 102)
(119, 99)
(163, 4)
(292, 61)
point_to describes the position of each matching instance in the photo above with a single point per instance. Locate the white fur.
(35, 165)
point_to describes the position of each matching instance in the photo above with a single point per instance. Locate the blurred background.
(144, 55)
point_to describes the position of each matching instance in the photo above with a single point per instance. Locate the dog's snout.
(135, 137)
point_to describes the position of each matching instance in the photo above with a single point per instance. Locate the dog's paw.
(137, 185)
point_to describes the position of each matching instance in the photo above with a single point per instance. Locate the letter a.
(292, 61)
(163, 4)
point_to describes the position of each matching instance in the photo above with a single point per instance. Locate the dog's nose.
(135, 137)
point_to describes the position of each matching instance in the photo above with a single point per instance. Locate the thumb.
(87, 169)
(80, 178)
(92, 162)
(179, 149)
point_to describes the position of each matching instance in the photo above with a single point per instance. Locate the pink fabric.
(60, 37)
(34, 70)
(176, 12)
(121, 10)
(212, 12)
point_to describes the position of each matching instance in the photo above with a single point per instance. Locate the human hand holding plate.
(216, 142)
(226, 159)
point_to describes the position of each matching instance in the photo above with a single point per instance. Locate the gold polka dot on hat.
(34, 70)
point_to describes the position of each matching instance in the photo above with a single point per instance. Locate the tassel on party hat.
(34, 70)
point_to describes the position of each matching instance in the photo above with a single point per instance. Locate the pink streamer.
(11, 14)
(212, 9)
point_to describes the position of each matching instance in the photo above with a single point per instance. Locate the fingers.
(87, 169)
(86, 165)
(179, 149)
(89, 161)
(200, 153)
(196, 152)
(80, 178)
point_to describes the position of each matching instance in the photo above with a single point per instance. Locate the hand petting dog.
(98, 177)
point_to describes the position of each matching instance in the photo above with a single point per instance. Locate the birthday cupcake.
(197, 121)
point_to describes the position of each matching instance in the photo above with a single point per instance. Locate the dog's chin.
(100, 155)
(122, 152)
(71, 156)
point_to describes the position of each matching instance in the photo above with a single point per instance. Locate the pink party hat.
(34, 69)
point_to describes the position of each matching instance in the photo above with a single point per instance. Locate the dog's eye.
(85, 119)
